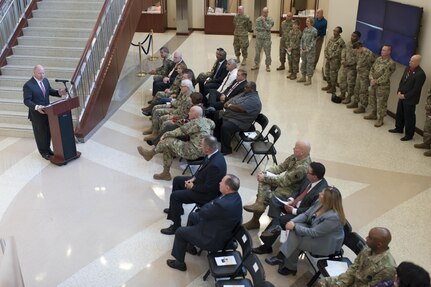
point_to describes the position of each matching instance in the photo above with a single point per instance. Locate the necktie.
(204, 163)
(231, 89)
(301, 196)
(42, 88)
(224, 82)
(216, 72)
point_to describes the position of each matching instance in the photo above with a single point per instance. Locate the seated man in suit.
(161, 84)
(200, 188)
(212, 226)
(217, 98)
(182, 142)
(373, 265)
(214, 78)
(238, 115)
(298, 203)
(232, 71)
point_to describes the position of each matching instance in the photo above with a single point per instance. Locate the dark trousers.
(213, 97)
(159, 85)
(228, 130)
(184, 236)
(405, 118)
(41, 132)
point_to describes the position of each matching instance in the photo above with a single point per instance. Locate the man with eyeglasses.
(214, 78)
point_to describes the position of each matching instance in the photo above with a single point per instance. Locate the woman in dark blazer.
(319, 230)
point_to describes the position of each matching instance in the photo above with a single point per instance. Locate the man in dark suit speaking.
(409, 93)
(211, 227)
(36, 92)
(200, 188)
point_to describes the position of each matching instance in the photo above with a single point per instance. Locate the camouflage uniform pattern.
(175, 89)
(427, 126)
(365, 61)
(333, 59)
(243, 25)
(179, 108)
(286, 27)
(263, 39)
(165, 68)
(173, 144)
(348, 69)
(366, 270)
(294, 42)
(289, 176)
(381, 72)
(308, 50)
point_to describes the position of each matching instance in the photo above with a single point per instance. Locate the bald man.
(263, 27)
(243, 26)
(373, 265)
(286, 27)
(280, 180)
(409, 93)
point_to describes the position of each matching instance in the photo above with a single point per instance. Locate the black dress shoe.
(191, 249)
(150, 143)
(176, 264)
(50, 152)
(286, 271)
(406, 138)
(166, 210)
(263, 249)
(272, 231)
(45, 156)
(170, 230)
(274, 260)
(395, 131)
(147, 114)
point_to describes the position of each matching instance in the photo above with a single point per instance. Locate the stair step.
(57, 32)
(69, 14)
(14, 117)
(52, 41)
(59, 62)
(12, 81)
(10, 92)
(13, 105)
(63, 5)
(55, 22)
(47, 51)
(27, 71)
(16, 130)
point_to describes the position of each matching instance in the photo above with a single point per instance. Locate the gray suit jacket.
(322, 235)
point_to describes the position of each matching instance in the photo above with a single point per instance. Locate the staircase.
(55, 38)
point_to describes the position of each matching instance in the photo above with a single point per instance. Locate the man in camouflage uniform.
(380, 86)
(182, 142)
(179, 108)
(333, 59)
(264, 24)
(243, 25)
(294, 50)
(427, 128)
(308, 52)
(364, 61)
(167, 64)
(348, 68)
(286, 27)
(280, 180)
(373, 265)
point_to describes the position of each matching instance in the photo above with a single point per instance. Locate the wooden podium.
(61, 127)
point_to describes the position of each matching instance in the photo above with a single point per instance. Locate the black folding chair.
(255, 133)
(265, 147)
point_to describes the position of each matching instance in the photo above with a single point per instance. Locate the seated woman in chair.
(319, 230)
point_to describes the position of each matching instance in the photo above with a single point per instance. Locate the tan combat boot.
(255, 67)
(347, 100)
(259, 206)
(352, 105)
(148, 108)
(238, 60)
(371, 116)
(332, 90)
(254, 222)
(302, 79)
(152, 136)
(293, 76)
(282, 67)
(342, 96)
(147, 154)
(147, 131)
(423, 145)
(359, 110)
(328, 87)
(165, 175)
(379, 123)
(268, 68)
(427, 153)
(308, 82)
(244, 62)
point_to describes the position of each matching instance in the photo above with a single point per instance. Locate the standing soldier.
(348, 66)
(264, 24)
(333, 59)
(286, 27)
(308, 52)
(243, 25)
(294, 50)
(364, 62)
(380, 86)
(427, 128)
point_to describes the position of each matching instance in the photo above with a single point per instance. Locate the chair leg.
(246, 155)
(187, 167)
(236, 148)
(257, 165)
(313, 279)
(206, 275)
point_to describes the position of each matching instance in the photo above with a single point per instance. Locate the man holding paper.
(281, 180)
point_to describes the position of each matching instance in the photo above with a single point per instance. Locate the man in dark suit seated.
(163, 83)
(214, 78)
(200, 188)
(36, 92)
(298, 203)
(210, 228)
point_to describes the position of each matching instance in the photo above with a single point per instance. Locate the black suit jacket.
(412, 86)
(311, 197)
(209, 175)
(238, 90)
(222, 73)
(33, 96)
(215, 222)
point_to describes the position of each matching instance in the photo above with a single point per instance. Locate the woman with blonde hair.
(319, 230)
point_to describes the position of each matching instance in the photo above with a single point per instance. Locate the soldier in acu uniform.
(243, 25)
(348, 68)
(308, 52)
(264, 24)
(294, 50)
(333, 60)
(427, 128)
(286, 27)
